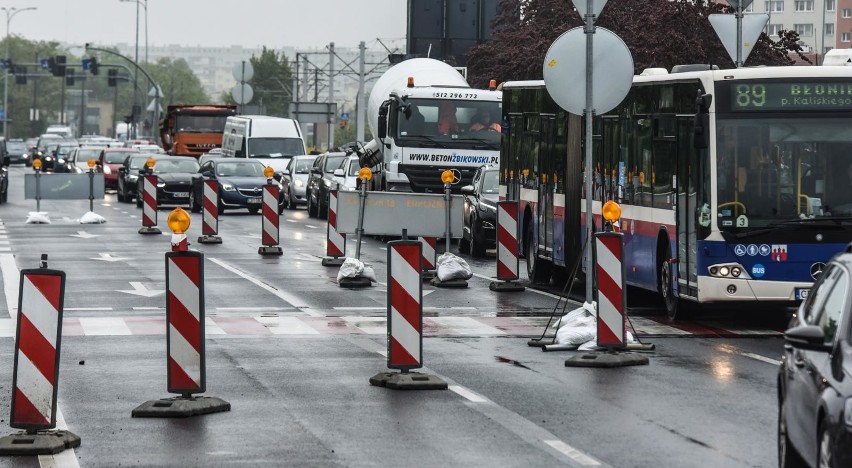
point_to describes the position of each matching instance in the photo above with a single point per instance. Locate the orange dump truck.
(192, 130)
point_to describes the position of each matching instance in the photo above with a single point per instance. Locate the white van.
(838, 58)
(61, 130)
(272, 140)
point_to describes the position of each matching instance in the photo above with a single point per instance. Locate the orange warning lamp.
(37, 164)
(447, 177)
(492, 85)
(150, 163)
(178, 221)
(268, 171)
(91, 163)
(410, 81)
(365, 173)
(611, 211)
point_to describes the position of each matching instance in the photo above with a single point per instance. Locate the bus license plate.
(802, 293)
(255, 200)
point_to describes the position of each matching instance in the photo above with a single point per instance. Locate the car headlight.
(61, 161)
(326, 182)
(847, 412)
(48, 159)
(133, 178)
(107, 170)
(25, 156)
(298, 183)
(228, 187)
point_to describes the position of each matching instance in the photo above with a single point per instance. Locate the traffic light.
(111, 76)
(93, 66)
(7, 64)
(57, 67)
(69, 77)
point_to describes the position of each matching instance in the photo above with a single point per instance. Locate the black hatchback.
(480, 212)
(815, 376)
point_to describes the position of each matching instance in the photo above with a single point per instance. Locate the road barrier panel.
(149, 205)
(507, 248)
(335, 246)
(430, 255)
(185, 336)
(405, 321)
(612, 307)
(210, 213)
(270, 221)
(35, 380)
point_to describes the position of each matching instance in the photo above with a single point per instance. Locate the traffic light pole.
(62, 101)
(82, 130)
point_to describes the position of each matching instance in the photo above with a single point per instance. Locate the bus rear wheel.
(676, 308)
(538, 269)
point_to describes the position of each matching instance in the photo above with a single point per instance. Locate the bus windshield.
(778, 169)
(274, 147)
(439, 121)
(201, 123)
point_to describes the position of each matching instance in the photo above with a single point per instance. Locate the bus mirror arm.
(702, 121)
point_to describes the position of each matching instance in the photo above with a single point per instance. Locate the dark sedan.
(174, 180)
(815, 376)
(480, 212)
(128, 174)
(240, 184)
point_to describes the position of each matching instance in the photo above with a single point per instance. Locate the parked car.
(348, 174)
(174, 180)
(128, 174)
(241, 184)
(480, 212)
(108, 163)
(815, 375)
(294, 180)
(17, 151)
(321, 181)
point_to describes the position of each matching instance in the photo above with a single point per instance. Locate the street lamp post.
(144, 4)
(10, 13)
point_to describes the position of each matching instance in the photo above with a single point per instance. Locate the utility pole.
(62, 101)
(362, 79)
(332, 118)
(82, 130)
(316, 99)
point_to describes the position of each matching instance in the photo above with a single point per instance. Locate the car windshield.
(138, 162)
(274, 147)
(302, 166)
(333, 162)
(16, 147)
(45, 142)
(239, 169)
(490, 182)
(62, 150)
(201, 123)
(86, 154)
(169, 166)
(116, 157)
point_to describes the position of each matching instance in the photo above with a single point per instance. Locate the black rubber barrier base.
(209, 240)
(41, 443)
(270, 250)
(537, 343)
(408, 381)
(358, 282)
(454, 283)
(149, 230)
(428, 275)
(607, 360)
(332, 261)
(180, 407)
(506, 286)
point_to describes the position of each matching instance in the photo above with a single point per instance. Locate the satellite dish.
(565, 71)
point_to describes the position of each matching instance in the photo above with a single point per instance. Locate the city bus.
(735, 185)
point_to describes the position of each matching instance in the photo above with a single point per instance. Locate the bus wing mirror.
(702, 121)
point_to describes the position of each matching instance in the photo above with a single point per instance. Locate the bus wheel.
(538, 269)
(672, 304)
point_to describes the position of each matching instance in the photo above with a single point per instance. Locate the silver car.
(294, 179)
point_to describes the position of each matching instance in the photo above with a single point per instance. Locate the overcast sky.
(250, 23)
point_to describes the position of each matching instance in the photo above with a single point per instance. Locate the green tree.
(271, 83)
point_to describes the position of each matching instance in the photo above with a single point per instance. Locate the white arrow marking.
(84, 235)
(140, 290)
(427, 292)
(105, 257)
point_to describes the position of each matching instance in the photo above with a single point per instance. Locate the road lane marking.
(465, 393)
(149, 308)
(757, 357)
(86, 309)
(104, 326)
(572, 453)
(11, 280)
(286, 326)
(285, 296)
(311, 226)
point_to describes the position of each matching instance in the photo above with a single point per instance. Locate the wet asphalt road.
(292, 353)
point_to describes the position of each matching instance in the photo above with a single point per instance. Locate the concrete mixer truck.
(425, 118)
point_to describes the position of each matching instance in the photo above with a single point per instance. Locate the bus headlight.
(728, 270)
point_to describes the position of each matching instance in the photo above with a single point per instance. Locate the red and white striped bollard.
(270, 216)
(35, 381)
(612, 298)
(335, 247)
(507, 248)
(405, 320)
(210, 213)
(430, 255)
(149, 202)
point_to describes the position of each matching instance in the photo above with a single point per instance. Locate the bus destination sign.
(775, 95)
